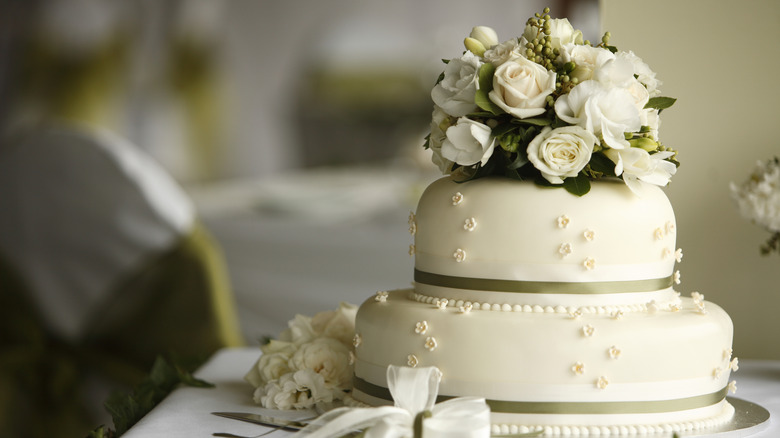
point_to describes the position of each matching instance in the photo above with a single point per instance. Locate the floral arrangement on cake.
(758, 200)
(310, 364)
(549, 107)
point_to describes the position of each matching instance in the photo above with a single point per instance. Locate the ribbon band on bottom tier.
(547, 287)
(608, 407)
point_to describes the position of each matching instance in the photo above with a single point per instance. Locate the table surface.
(186, 412)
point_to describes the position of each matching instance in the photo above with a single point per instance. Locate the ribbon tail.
(463, 417)
(413, 389)
(341, 421)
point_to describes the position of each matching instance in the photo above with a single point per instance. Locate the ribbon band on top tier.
(603, 407)
(547, 287)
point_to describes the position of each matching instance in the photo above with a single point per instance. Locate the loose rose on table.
(549, 107)
(309, 364)
(758, 200)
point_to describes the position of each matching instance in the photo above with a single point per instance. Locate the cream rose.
(636, 165)
(338, 324)
(520, 87)
(468, 143)
(562, 152)
(609, 112)
(328, 358)
(455, 92)
(562, 32)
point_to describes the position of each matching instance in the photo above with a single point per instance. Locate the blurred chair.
(103, 267)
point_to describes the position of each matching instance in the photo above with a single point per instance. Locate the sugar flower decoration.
(588, 330)
(602, 382)
(470, 225)
(563, 221)
(430, 343)
(381, 296)
(589, 264)
(412, 360)
(459, 255)
(457, 198)
(442, 303)
(421, 327)
(565, 249)
(466, 308)
(578, 368)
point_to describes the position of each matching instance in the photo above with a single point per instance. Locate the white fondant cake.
(559, 310)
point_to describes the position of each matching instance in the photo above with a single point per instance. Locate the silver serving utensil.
(263, 420)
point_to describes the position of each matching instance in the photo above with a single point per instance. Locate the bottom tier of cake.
(662, 369)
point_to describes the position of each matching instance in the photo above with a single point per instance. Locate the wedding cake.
(544, 267)
(545, 262)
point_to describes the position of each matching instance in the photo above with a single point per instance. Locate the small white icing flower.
(700, 307)
(357, 340)
(470, 224)
(614, 352)
(578, 368)
(667, 252)
(670, 227)
(466, 307)
(412, 218)
(576, 314)
(588, 330)
(589, 263)
(602, 382)
(675, 307)
(352, 358)
(658, 233)
(459, 255)
(413, 228)
(563, 221)
(618, 315)
(589, 235)
(457, 198)
(678, 255)
(697, 298)
(421, 327)
(381, 296)
(733, 386)
(727, 352)
(442, 303)
(565, 249)
(716, 373)
(430, 343)
(412, 360)
(734, 364)
(412, 250)
(676, 277)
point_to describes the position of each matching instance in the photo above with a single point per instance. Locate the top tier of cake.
(507, 242)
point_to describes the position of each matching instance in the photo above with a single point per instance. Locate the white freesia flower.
(758, 198)
(440, 122)
(562, 32)
(636, 165)
(328, 358)
(480, 39)
(619, 73)
(300, 390)
(338, 324)
(587, 59)
(455, 93)
(649, 117)
(503, 52)
(562, 152)
(608, 112)
(643, 72)
(520, 87)
(271, 367)
(468, 143)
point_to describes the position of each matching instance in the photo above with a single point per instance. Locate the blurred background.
(295, 128)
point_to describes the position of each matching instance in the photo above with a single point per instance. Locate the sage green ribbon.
(610, 407)
(547, 287)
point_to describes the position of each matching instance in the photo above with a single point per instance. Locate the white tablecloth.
(186, 412)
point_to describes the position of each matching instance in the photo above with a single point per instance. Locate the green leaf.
(483, 101)
(578, 185)
(600, 163)
(485, 80)
(503, 129)
(660, 103)
(538, 121)
(486, 72)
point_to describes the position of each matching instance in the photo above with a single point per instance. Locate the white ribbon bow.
(415, 413)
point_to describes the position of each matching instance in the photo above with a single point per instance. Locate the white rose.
(299, 330)
(609, 112)
(328, 358)
(503, 52)
(338, 324)
(619, 73)
(468, 142)
(455, 93)
(562, 152)
(314, 386)
(637, 165)
(586, 58)
(562, 32)
(270, 366)
(278, 394)
(643, 72)
(520, 87)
